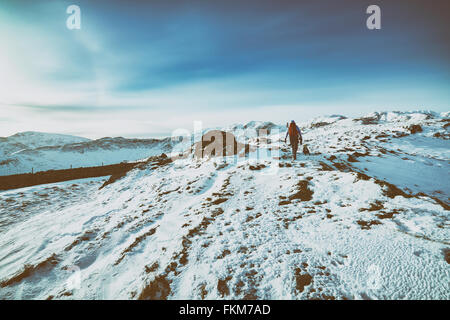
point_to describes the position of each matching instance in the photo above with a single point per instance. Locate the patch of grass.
(303, 192)
(302, 280)
(222, 286)
(30, 270)
(366, 225)
(158, 289)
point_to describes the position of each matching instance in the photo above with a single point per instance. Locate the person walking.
(295, 136)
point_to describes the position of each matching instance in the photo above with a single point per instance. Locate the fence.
(52, 176)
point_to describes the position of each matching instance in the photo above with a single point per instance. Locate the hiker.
(295, 135)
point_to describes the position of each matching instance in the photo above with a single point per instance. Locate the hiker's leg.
(294, 145)
(294, 149)
(292, 141)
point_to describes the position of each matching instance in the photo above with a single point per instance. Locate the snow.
(321, 227)
(35, 139)
(50, 152)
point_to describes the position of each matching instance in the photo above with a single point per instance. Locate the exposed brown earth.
(52, 176)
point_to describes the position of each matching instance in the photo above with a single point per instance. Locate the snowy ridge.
(55, 153)
(365, 216)
(32, 139)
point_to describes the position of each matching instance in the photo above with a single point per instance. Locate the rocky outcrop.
(217, 143)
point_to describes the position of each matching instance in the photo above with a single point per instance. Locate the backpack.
(293, 133)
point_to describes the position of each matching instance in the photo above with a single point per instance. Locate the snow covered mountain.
(23, 151)
(364, 216)
(32, 139)
(9, 146)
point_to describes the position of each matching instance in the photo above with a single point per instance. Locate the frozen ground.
(365, 216)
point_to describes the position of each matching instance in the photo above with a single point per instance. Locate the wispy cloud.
(144, 69)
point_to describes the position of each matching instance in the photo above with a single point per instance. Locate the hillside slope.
(365, 216)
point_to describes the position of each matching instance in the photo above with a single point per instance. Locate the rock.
(372, 118)
(414, 128)
(216, 143)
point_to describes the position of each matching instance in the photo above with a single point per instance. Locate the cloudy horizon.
(139, 69)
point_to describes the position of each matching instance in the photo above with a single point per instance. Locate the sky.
(144, 69)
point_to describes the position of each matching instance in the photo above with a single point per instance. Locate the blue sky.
(142, 69)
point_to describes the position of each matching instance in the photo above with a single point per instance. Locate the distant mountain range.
(38, 151)
(22, 152)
